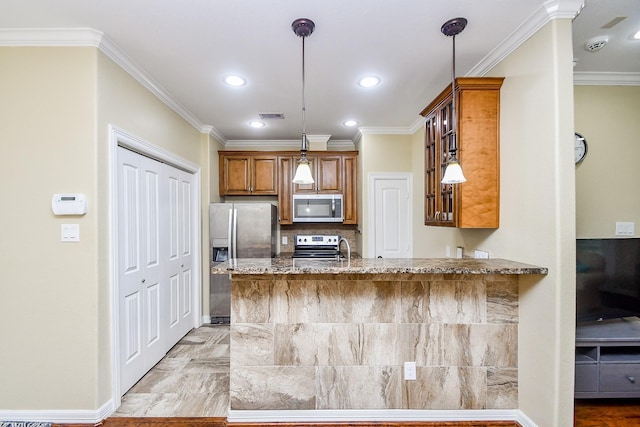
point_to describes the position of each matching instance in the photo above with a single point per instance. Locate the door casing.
(120, 137)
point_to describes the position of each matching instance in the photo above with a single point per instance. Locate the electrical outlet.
(410, 371)
(447, 251)
(459, 252)
(285, 240)
(481, 254)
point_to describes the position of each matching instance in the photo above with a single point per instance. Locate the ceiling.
(183, 49)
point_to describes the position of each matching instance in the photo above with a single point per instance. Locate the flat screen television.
(607, 278)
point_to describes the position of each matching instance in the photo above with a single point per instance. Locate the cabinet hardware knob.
(631, 379)
(144, 280)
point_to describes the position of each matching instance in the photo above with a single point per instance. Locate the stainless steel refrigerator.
(237, 230)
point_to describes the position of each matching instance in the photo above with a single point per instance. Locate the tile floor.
(191, 381)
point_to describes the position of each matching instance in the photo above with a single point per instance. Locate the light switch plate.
(70, 232)
(625, 228)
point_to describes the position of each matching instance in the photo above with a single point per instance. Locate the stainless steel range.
(317, 246)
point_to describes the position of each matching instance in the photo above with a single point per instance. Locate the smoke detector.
(595, 44)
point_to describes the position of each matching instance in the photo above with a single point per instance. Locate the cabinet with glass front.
(475, 143)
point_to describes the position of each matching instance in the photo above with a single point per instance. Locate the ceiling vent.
(595, 44)
(613, 22)
(269, 116)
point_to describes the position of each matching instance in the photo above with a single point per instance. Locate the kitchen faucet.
(342, 239)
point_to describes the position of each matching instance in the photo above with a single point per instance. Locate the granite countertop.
(282, 265)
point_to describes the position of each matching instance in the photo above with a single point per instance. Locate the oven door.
(317, 208)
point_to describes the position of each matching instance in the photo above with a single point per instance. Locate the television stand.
(608, 359)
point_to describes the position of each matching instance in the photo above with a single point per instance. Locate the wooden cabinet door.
(350, 187)
(235, 176)
(248, 174)
(329, 174)
(431, 169)
(264, 175)
(286, 169)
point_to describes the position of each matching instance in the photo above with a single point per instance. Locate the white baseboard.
(389, 415)
(57, 416)
(310, 416)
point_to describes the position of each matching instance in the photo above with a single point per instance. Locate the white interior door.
(391, 219)
(179, 257)
(139, 267)
(155, 261)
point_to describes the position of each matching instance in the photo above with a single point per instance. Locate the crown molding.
(285, 144)
(52, 37)
(78, 37)
(606, 79)
(248, 143)
(550, 10)
(382, 130)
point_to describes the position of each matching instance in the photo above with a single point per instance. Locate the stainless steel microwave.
(317, 208)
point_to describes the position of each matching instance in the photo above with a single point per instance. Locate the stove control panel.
(317, 240)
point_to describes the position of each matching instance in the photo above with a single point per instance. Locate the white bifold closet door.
(155, 261)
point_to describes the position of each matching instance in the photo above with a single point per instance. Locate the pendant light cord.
(304, 127)
(454, 131)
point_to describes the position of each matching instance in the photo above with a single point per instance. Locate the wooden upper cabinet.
(334, 172)
(350, 189)
(271, 173)
(286, 169)
(248, 173)
(326, 170)
(476, 202)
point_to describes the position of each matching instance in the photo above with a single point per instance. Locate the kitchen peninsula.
(317, 335)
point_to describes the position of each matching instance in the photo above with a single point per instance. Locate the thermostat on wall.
(69, 204)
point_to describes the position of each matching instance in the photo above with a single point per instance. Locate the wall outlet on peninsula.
(409, 371)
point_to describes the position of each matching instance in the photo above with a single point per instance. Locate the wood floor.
(607, 413)
(221, 422)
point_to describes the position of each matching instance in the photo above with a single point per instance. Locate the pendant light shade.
(453, 172)
(303, 173)
(303, 27)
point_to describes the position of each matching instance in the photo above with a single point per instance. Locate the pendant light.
(303, 27)
(453, 172)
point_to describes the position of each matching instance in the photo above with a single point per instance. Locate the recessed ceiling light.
(349, 123)
(256, 124)
(235, 81)
(369, 81)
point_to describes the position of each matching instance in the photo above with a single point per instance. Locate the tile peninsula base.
(339, 341)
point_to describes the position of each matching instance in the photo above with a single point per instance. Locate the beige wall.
(607, 179)
(538, 215)
(48, 293)
(378, 153)
(57, 104)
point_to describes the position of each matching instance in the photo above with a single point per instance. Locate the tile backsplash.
(290, 231)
